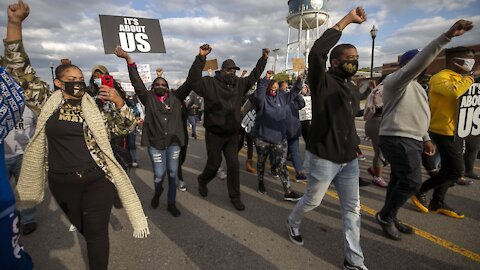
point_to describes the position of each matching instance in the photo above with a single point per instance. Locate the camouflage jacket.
(117, 121)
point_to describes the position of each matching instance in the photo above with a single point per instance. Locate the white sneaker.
(221, 174)
(378, 181)
(181, 185)
(134, 164)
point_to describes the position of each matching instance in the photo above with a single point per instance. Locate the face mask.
(272, 93)
(348, 67)
(76, 89)
(467, 63)
(160, 91)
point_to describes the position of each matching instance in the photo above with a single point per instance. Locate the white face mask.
(467, 63)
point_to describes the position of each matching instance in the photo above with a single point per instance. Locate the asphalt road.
(211, 234)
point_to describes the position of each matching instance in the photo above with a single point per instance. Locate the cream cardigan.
(32, 178)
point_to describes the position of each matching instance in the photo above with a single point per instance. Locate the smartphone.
(107, 80)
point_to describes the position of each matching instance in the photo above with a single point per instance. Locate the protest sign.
(468, 122)
(211, 64)
(306, 113)
(298, 64)
(137, 35)
(127, 87)
(144, 72)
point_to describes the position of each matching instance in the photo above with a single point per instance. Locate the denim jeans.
(165, 162)
(192, 119)
(345, 178)
(294, 150)
(131, 146)
(13, 166)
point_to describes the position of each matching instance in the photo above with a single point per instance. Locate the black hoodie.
(223, 100)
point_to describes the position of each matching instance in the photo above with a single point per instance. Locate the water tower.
(309, 18)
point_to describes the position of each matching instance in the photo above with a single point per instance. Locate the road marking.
(426, 235)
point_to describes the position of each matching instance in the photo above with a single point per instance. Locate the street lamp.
(53, 76)
(275, 60)
(373, 34)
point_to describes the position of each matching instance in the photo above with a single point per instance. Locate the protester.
(331, 148)
(163, 131)
(446, 87)
(193, 105)
(247, 108)
(373, 116)
(270, 130)
(223, 98)
(83, 173)
(404, 126)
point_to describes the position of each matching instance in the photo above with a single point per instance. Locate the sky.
(235, 29)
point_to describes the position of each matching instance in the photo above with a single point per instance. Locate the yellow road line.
(426, 235)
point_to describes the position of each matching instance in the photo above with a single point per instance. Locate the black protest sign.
(468, 122)
(134, 35)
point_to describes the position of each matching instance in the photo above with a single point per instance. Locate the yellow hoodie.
(446, 87)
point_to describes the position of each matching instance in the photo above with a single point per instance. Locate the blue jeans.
(192, 119)
(294, 150)
(131, 146)
(345, 178)
(165, 162)
(13, 166)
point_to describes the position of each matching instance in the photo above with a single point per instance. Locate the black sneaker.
(444, 209)
(420, 201)
(273, 173)
(403, 228)
(173, 210)
(261, 187)
(362, 183)
(291, 197)
(202, 189)
(29, 228)
(294, 234)
(155, 201)
(388, 228)
(348, 266)
(238, 205)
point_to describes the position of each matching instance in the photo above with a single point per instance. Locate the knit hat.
(407, 56)
(101, 68)
(229, 63)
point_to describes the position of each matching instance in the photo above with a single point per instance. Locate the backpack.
(374, 102)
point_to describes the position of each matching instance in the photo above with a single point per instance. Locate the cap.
(229, 64)
(101, 68)
(407, 56)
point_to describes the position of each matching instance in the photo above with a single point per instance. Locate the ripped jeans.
(165, 162)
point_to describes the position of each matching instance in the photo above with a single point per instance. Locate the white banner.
(306, 113)
(144, 72)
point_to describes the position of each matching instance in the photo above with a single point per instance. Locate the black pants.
(306, 126)
(87, 201)
(472, 146)
(243, 136)
(405, 158)
(452, 166)
(217, 144)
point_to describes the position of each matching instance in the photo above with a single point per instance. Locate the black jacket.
(333, 136)
(164, 127)
(223, 101)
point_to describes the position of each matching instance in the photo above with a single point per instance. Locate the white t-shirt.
(18, 138)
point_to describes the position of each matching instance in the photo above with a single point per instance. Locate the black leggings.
(87, 201)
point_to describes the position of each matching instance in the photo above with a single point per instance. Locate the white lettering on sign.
(133, 36)
(469, 113)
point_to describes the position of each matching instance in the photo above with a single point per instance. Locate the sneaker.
(155, 200)
(294, 234)
(134, 165)
(472, 175)
(261, 188)
(388, 228)
(444, 209)
(301, 177)
(29, 228)
(291, 197)
(370, 171)
(221, 174)
(362, 183)
(378, 181)
(173, 210)
(348, 266)
(361, 157)
(273, 173)
(420, 201)
(403, 228)
(181, 185)
(238, 205)
(464, 181)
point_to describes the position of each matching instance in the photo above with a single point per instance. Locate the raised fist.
(121, 53)
(459, 28)
(357, 15)
(18, 12)
(265, 52)
(204, 50)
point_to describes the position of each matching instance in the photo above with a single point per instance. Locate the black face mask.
(76, 89)
(348, 68)
(160, 91)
